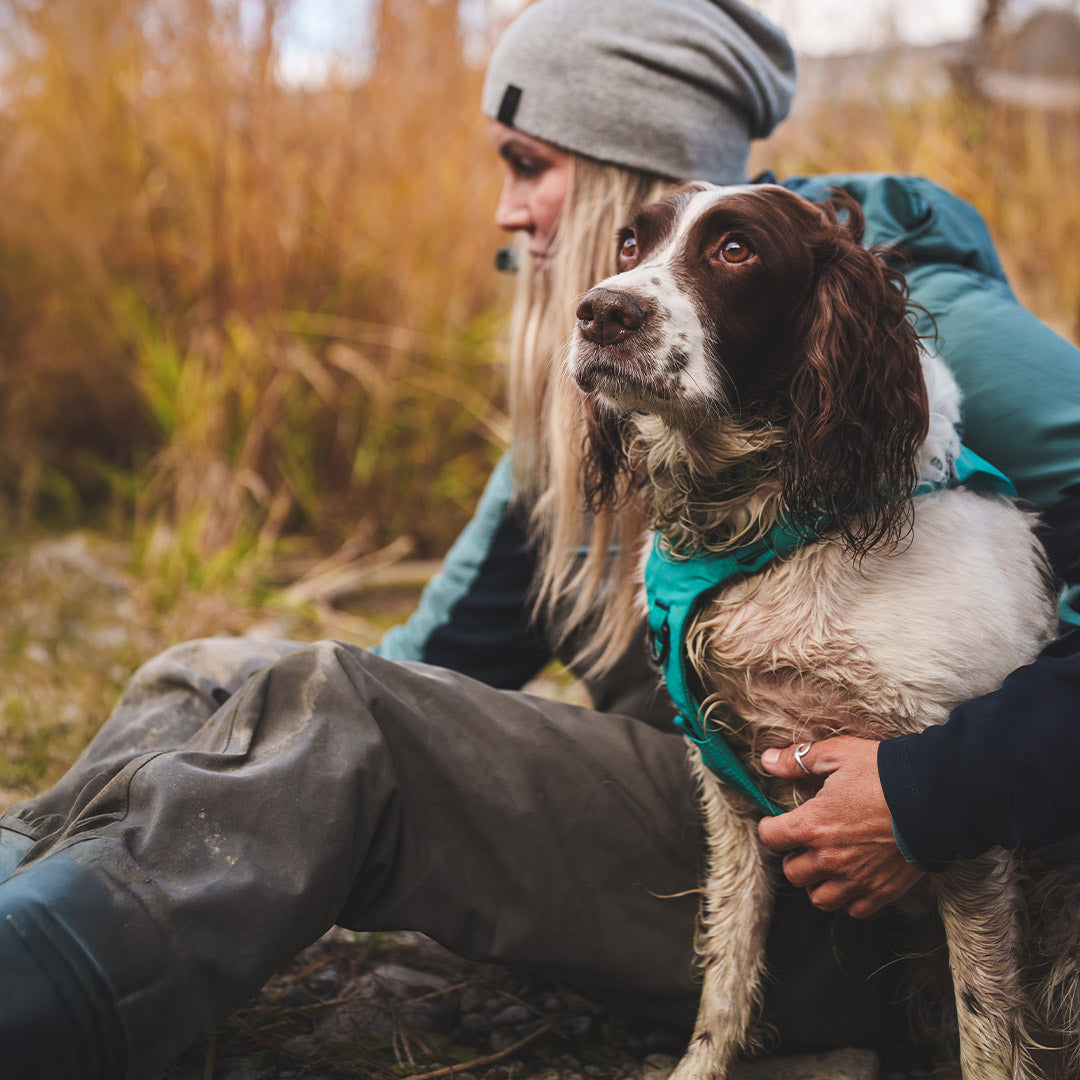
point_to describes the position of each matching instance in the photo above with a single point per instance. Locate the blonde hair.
(587, 579)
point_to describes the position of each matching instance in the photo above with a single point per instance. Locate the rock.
(345, 1023)
(239, 1070)
(325, 983)
(835, 1065)
(580, 1026)
(472, 998)
(409, 978)
(513, 1014)
(849, 1064)
(658, 1066)
(298, 994)
(475, 1023)
(426, 1015)
(666, 1040)
(501, 1040)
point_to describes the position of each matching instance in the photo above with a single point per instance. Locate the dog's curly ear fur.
(607, 476)
(858, 403)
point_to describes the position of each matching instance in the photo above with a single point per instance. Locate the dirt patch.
(399, 1005)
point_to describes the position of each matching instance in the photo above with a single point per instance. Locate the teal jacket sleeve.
(474, 616)
(1020, 380)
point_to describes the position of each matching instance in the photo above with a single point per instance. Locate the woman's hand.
(839, 844)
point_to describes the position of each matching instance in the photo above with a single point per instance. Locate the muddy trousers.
(245, 796)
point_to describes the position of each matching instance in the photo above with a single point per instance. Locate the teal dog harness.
(675, 585)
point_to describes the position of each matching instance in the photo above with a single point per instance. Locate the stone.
(410, 978)
(580, 1026)
(502, 1040)
(847, 1064)
(472, 999)
(513, 1014)
(474, 1023)
(658, 1066)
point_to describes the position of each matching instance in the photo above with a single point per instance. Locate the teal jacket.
(1020, 380)
(1021, 386)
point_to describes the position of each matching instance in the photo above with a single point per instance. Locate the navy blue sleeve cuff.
(1001, 772)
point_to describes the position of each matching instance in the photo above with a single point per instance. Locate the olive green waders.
(246, 795)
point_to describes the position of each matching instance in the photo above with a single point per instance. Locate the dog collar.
(675, 585)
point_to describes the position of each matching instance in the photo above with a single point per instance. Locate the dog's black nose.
(605, 316)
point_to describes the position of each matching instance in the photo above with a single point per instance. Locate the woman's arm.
(839, 845)
(474, 616)
(1002, 770)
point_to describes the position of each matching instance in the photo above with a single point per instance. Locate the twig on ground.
(208, 1061)
(258, 1036)
(445, 990)
(490, 1059)
(307, 970)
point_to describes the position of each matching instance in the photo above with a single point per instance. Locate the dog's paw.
(701, 1062)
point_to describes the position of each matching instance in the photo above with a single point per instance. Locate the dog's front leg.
(980, 906)
(734, 922)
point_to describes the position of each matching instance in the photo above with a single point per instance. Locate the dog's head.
(752, 306)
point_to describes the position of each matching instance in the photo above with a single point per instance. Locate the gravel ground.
(400, 1007)
(393, 1005)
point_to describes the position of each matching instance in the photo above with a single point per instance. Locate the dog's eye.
(734, 250)
(628, 249)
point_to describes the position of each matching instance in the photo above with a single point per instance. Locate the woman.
(245, 796)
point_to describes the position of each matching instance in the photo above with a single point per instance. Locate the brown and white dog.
(752, 360)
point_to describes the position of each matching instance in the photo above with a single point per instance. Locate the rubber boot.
(92, 985)
(57, 1013)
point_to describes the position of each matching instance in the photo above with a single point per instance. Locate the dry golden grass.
(233, 311)
(236, 307)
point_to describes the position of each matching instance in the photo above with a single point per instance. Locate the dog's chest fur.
(890, 644)
(821, 643)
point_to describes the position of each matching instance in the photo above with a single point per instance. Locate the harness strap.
(675, 585)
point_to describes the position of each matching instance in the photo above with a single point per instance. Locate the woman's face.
(534, 188)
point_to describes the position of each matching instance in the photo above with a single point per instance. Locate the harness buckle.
(658, 644)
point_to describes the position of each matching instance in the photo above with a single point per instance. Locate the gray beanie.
(672, 87)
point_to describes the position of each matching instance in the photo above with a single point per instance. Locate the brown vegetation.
(235, 307)
(232, 309)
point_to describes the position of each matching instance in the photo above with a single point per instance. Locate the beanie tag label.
(508, 108)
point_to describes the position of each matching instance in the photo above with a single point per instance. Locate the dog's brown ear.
(607, 475)
(858, 402)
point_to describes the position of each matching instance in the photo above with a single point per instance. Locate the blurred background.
(250, 330)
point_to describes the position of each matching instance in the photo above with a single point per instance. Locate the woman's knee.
(216, 667)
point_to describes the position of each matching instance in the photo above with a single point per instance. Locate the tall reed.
(239, 307)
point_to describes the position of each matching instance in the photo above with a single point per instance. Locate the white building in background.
(1035, 65)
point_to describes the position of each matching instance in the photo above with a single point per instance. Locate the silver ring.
(800, 752)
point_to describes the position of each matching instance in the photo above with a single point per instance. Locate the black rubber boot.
(58, 1017)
